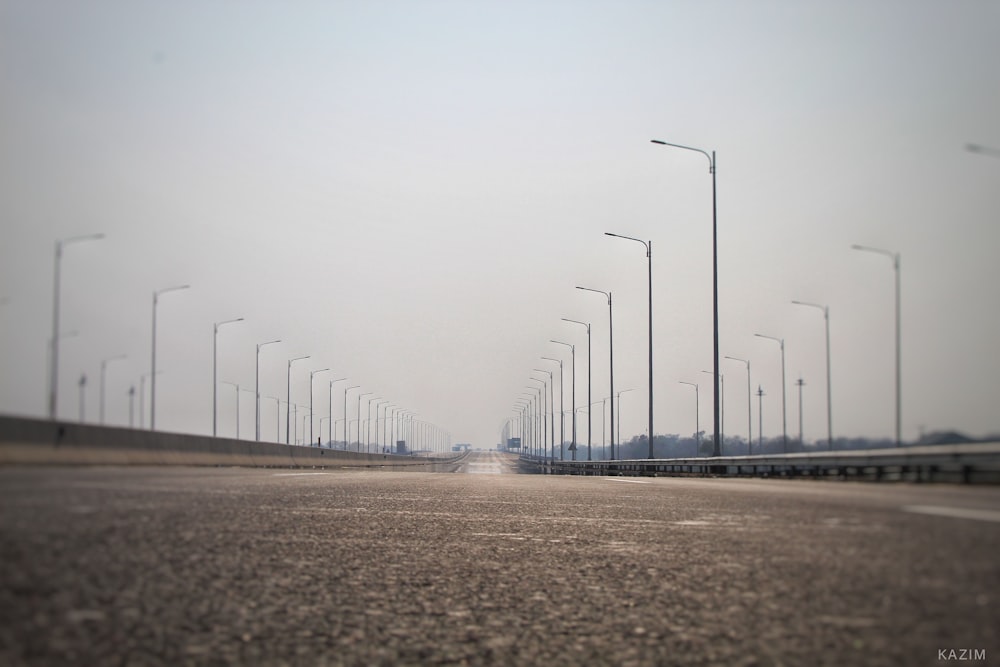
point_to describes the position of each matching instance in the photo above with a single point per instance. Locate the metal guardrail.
(966, 463)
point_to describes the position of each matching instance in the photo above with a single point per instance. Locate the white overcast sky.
(409, 192)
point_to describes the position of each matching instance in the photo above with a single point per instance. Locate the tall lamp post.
(562, 410)
(784, 421)
(649, 257)
(894, 256)
(589, 398)
(333, 427)
(697, 410)
(619, 399)
(312, 416)
(539, 438)
(83, 386)
(760, 417)
(360, 396)
(722, 406)
(551, 418)
(717, 449)
(104, 366)
(749, 404)
(346, 422)
(520, 409)
(277, 417)
(288, 399)
(54, 369)
(215, 374)
(572, 349)
(142, 398)
(257, 389)
(527, 431)
(611, 350)
(550, 387)
(378, 406)
(152, 378)
(829, 403)
(387, 432)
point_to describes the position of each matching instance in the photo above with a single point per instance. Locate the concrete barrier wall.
(29, 441)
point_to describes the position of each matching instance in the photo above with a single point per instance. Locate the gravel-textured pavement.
(174, 566)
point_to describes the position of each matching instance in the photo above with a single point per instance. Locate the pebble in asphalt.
(175, 566)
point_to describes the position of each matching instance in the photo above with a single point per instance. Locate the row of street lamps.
(715, 299)
(424, 431)
(717, 376)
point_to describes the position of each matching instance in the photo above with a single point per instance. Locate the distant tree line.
(671, 446)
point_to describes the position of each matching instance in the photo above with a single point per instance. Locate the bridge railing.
(977, 462)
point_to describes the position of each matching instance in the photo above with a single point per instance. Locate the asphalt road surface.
(174, 566)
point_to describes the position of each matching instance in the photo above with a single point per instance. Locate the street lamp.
(717, 449)
(589, 438)
(360, 396)
(54, 379)
(649, 257)
(722, 407)
(829, 405)
(749, 404)
(551, 389)
(619, 399)
(312, 418)
(611, 350)
(288, 399)
(697, 410)
(784, 421)
(894, 256)
(83, 385)
(131, 406)
(760, 417)
(333, 424)
(387, 427)
(527, 428)
(215, 380)
(142, 398)
(562, 410)
(519, 408)
(104, 366)
(257, 392)
(346, 422)
(572, 349)
(277, 417)
(540, 441)
(152, 379)
(800, 383)
(378, 406)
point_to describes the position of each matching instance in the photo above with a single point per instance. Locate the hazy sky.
(409, 192)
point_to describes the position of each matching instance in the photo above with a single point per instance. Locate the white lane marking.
(298, 474)
(630, 481)
(954, 512)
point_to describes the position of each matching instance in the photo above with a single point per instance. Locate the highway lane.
(488, 463)
(290, 567)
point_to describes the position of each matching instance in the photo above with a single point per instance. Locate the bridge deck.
(256, 566)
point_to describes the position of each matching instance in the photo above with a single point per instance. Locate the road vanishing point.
(253, 566)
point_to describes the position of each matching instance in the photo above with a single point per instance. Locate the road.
(173, 566)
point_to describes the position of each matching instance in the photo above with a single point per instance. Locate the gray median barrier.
(29, 441)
